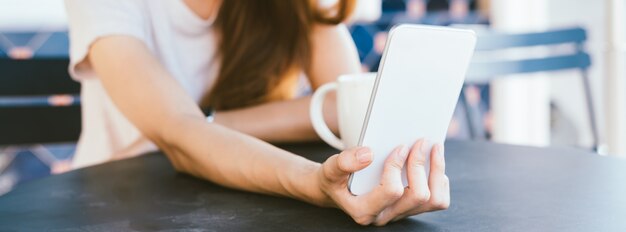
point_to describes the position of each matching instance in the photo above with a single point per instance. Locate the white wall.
(521, 103)
(31, 14)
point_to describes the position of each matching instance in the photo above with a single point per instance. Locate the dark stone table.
(494, 188)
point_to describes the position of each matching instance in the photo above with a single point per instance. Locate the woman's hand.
(390, 200)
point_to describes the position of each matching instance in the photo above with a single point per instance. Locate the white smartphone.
(417, 87)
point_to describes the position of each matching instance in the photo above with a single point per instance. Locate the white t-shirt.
(183, 42)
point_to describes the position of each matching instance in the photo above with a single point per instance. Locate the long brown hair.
(264, 44)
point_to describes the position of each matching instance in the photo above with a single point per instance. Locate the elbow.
(166, 141)
(170, 137)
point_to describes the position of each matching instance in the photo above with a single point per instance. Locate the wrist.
(319, 191)
(306, 180)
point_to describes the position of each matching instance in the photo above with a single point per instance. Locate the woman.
(146, 66)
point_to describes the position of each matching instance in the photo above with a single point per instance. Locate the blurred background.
(546, 73)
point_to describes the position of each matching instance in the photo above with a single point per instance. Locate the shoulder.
(325, 30)
(91, 20)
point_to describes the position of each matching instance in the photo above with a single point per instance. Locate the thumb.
(347, 162)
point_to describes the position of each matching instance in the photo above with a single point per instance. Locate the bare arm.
(156, 103)
(334, 54)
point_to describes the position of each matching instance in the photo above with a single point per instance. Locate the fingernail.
(364, 155)
(426, 147)
(402, 153)
(440, 152)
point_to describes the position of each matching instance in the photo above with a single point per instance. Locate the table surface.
(494, 188)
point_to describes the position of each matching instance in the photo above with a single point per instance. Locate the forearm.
(281, 121)
(236, 160)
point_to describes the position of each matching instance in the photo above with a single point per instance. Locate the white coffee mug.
(353, 96)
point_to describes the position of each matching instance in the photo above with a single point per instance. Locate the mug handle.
(317, 116)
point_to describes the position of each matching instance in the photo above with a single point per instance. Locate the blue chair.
(39, 101)
(484, 70)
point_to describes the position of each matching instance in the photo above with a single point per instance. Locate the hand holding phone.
(389, 201)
